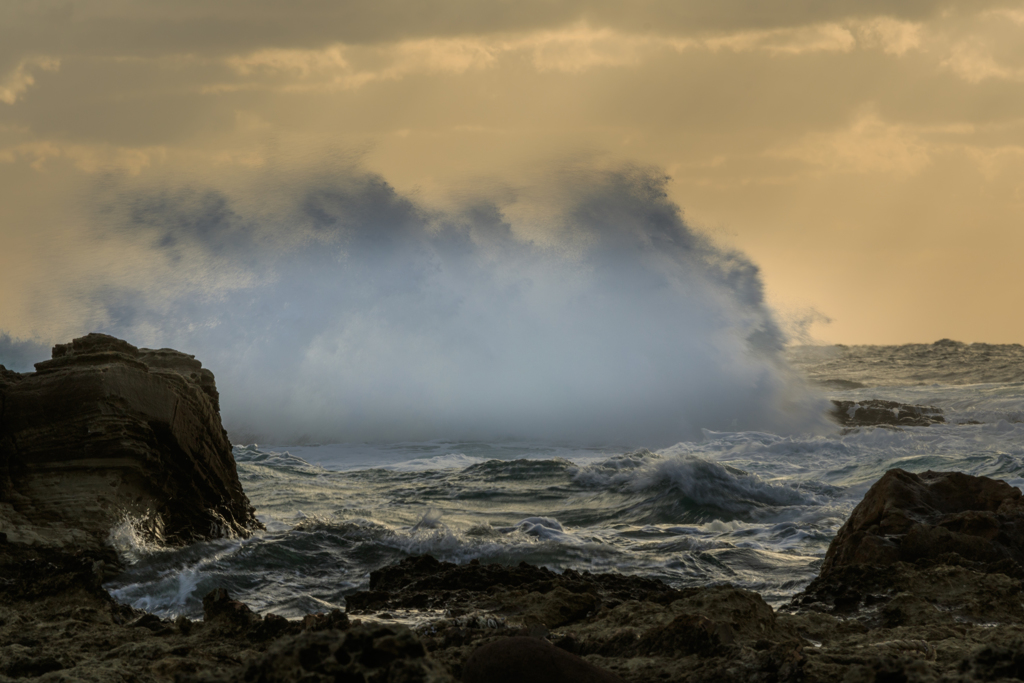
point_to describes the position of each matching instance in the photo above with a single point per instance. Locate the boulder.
(105, 432)
(908, 517)
(922, 583)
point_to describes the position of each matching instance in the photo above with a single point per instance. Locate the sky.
(842, 172)
(866, 155)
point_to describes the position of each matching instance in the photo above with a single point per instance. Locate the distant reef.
(880, 413)
(923, 583)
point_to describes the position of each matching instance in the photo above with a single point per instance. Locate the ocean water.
(754, 509)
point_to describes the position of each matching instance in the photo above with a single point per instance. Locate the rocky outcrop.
(908, 517)
(623, 627)
(879, 413)
(105, 432)
(58, 624)
(922, 583)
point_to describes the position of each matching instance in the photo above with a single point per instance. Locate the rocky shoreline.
(924, 582)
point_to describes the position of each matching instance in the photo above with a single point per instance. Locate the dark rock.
(908, 517)
(839, 384)
(232, 615)
(422, 581)
(381, 654)
(105, 430)
(39, 572)
(876, 412)
(996, 662)
(614, 622)
(31, 667)
(519, 658)
(915, 582)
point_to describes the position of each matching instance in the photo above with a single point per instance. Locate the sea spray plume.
(356, 314)
(19, 355)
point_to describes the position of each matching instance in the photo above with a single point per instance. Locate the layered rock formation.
(105, 431)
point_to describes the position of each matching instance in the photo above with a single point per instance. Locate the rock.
(519, 658)
(876, 412)
(922, 583)
(906, 517)
(382, 654)
(105, 431)
(634, 627)
(422, 581)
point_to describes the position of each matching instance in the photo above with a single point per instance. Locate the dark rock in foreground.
(105, 430)
(908, 517)
(922, 583)
(58, 624)
(876, 412)
(632, 627)
(521, 658)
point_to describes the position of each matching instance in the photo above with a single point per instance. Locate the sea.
(752, 509)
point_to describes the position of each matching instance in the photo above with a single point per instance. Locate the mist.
(333, 308)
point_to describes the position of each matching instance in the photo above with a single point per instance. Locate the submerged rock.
(876, 412)
(105, 431)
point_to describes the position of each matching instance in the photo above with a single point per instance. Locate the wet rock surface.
(880, 413)
(623, 628)
(58, 624)
(104, 430)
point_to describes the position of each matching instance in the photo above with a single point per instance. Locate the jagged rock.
(876, 412)
(916, 580)
(105, 430)
(911, 517)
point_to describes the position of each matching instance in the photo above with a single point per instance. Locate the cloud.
(88, 158)
(21, 78)
(893, 36)
(790, 40)
(973, 61)
(572, 49)
(867, 145)
(107, 28)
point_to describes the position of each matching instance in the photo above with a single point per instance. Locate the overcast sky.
(867, 156)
